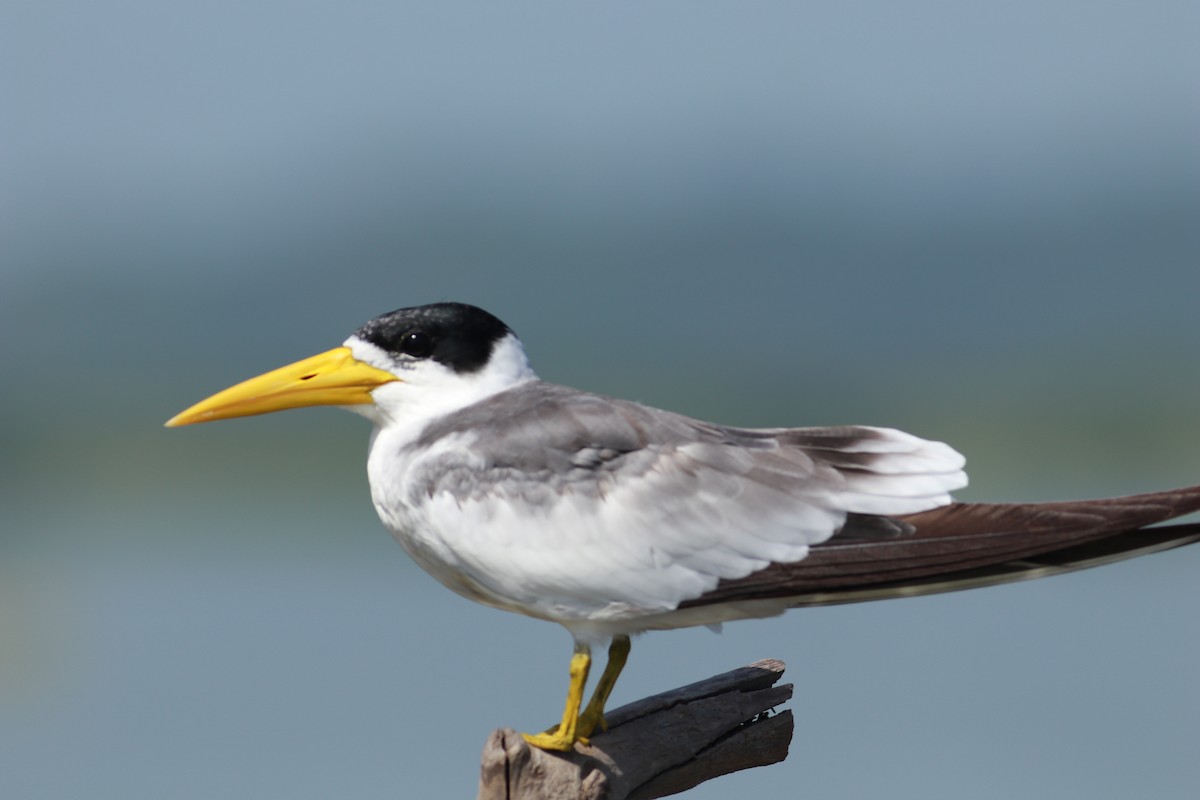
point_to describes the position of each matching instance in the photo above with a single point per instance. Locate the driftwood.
(654, 747)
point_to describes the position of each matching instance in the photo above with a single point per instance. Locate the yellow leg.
(566, 734)
(593, 716)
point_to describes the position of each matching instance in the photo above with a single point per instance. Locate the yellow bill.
(332, 378)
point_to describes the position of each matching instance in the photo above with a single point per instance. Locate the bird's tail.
(970, 545)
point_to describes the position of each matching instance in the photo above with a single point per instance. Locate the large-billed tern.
(612, 518)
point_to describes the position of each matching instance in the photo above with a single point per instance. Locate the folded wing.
(968, 545)
(566, 503)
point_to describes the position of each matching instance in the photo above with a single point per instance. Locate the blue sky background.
(976, 222)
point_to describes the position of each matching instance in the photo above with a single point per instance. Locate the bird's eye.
(417, 344)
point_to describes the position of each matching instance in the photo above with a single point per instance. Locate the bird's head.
(408, 364)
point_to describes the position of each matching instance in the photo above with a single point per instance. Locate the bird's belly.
(588, 608)
(564, 566)
(456, 579)
(434, 554)
(505, 577)
(544, 551)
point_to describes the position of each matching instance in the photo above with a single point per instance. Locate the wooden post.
(654, 747)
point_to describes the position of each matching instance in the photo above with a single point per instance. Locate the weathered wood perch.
(654, 747)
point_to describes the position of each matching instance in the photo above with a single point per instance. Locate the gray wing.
(626, 506)
(542, 440)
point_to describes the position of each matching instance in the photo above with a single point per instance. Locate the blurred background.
(975, 222)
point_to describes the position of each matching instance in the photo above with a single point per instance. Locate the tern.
(612, 518)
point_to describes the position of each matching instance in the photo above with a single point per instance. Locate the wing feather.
(565, 504)
(968, 545)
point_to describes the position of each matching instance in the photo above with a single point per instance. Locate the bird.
(613, 518)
